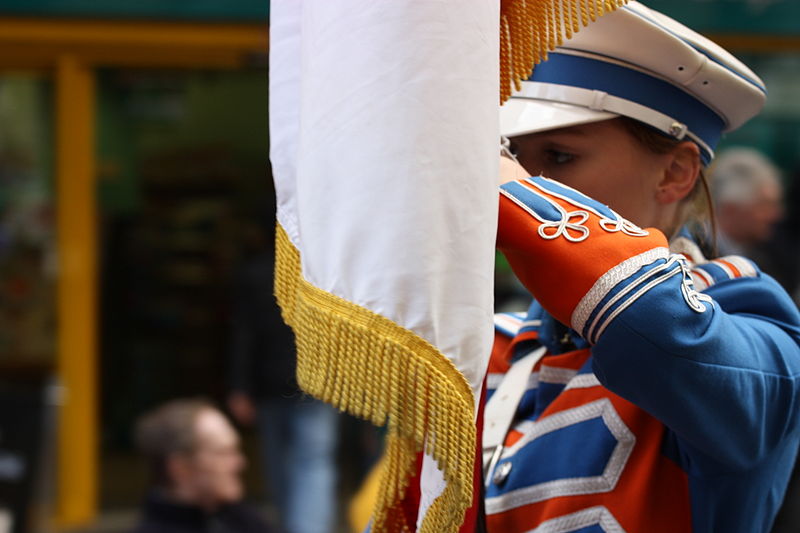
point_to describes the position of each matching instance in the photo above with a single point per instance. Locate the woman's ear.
(681, 173)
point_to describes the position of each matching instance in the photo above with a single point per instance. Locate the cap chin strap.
(505, 149)
(602, 101)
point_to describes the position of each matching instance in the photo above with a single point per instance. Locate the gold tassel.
(370, 367)
(531, 28)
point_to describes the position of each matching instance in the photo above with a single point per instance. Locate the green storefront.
(139, 147)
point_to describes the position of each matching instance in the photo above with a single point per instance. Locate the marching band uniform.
(669, 403)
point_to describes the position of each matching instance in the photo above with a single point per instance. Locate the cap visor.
(520, 116)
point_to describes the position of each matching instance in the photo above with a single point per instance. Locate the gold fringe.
(287, 274)
(370, 367)
(531, 28)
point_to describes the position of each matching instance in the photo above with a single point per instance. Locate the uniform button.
(501, 473)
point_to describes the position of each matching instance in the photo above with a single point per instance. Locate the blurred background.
(133, 158)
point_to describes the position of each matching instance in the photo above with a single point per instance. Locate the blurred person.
(748, 198)
(196, 463)
(298, 434)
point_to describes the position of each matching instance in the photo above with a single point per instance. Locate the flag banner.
(384, 135)
(384, 147)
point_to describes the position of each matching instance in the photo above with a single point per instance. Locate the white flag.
(384, 142)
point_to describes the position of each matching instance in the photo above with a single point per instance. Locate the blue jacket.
(675, 420)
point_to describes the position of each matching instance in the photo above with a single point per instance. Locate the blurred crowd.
(755, 217)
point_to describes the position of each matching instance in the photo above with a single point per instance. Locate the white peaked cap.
(639, 63)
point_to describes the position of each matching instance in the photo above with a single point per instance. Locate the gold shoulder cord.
(368, 366)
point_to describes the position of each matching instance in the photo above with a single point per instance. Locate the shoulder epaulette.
(509, 323)
(725, 268)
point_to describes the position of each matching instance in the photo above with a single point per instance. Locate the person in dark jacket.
(196, 463)
(298, 434)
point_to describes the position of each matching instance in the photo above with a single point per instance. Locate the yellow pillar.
(77, 477)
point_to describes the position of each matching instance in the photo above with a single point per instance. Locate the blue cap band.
(636, 86)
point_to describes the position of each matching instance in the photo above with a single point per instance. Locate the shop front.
(133, 139)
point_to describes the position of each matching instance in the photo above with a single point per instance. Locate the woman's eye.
(558, 157)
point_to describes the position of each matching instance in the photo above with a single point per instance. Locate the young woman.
(648, 389)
